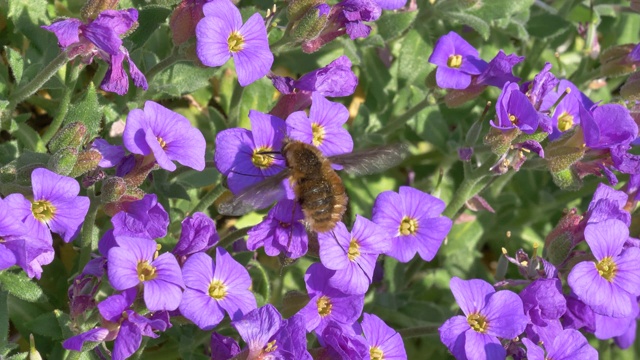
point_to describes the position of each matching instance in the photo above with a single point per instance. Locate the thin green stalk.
(163, 64)
(208, 199)
(232, 237)
(419, 331)
(70, 84)
(35, 84)
(86, 245)
(399, 121)
(472, 184)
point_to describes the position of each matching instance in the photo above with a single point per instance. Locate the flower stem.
(473, 183)
(232, 237)
(419, 331)
(34, 85)
(70, 83)
(397, 122)
(208, 199)
(86, 245)
(163, 64)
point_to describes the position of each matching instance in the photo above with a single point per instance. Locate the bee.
(318, 189)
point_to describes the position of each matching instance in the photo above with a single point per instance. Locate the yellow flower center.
(146, 271)
(318, 134)
(354, 250)
(217, 290)
(271, 346)
(261, 160)
(376, 353)
(408, 226)
(162, 143)
(43, 210)
(513, 119)
(235, 41)
(607, 268)
(454, 61)
(565, 121)
(324, 306)
(478, 323)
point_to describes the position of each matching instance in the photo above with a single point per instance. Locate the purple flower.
(281, 231)
(341, 342)
(607, 126)
(488, 315)
(198, 234)
(544, 303)
(353, 255)
(634, 55)
(499, 70)
(55, 205)
(166, 135)
(268, 336)
(607, 203)
(391, 4)
(213, 289)
(611, 286)
(350, 14)
(327, 303)
(457, 60)
(608, 327)
(112, 155)
(543, 84)
(221, 35)
(514, 110)
(383, 341)
(413, 218)
(568, 345)
(144, 218)
(239, 152)
(101, 37)
(323, 127)
(121, 323)
(578, 315)
(19, 246)
(223, 347)
(134, 261)
(334, 80)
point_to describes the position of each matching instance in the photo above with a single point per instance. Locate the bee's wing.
(372, 160)
(257, 196)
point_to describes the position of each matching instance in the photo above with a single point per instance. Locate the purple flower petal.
(505, 314)
(606, 238)
(66, 31)
(482, 346)
(453, 335)
(255, 59)
(128, 341)
(212, 40)
(95, 335)
(201, 308)
(470, 294)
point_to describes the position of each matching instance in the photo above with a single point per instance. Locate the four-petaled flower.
(457, 60)
(221, 35)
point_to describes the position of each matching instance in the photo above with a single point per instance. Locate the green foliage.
(20, 286)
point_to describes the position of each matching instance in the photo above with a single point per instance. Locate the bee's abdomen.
(323, 200)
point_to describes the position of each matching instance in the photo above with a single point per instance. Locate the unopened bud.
(563, 153)
(631, 89)
(33, 352)
(615, 61)
(430, 80)
(113, 189)
(87, 160)
(558, 248)
(92, 8)
(71, 135)
(63, 161)
(500, 141)
(567, 180)
(299, 8)
(311, 24)
(184, 19)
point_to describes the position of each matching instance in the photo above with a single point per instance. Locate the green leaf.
(459, 249)
(431, 126)
(545, 25)
(4, 320)
(46, 325)
(413, 66)
(88, 111)
(27, 15)
(257, 96)
(16, 61)
(182, 78)
(150, 18)
(479, 25)
(197, 179)
(392, 25)
(20, 286)
(29, 138)
(500, 9)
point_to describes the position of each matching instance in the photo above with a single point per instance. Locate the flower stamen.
(146, 271)
(478, 323)
(376, 353)
(454, 61)
(318, 134)
(565, 121)
(607, 268)
(324, 305)
(260, 159)
(217, 290)
(43, 210)
(235, 42)
(408, 226)
(354, 250)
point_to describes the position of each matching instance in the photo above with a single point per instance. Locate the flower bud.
(563, 238)
(92, 8)
(33, 352)
(71, 135)
(113, 189)
(311, 24)
(455, 98)
(631, 89)
(500, 141)
(615, 61)
(87, 160)
(293, 301)
(299, 8)
(430, 80)
(184, 19)
(63, 161)
(561, 154)
(567, 179)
